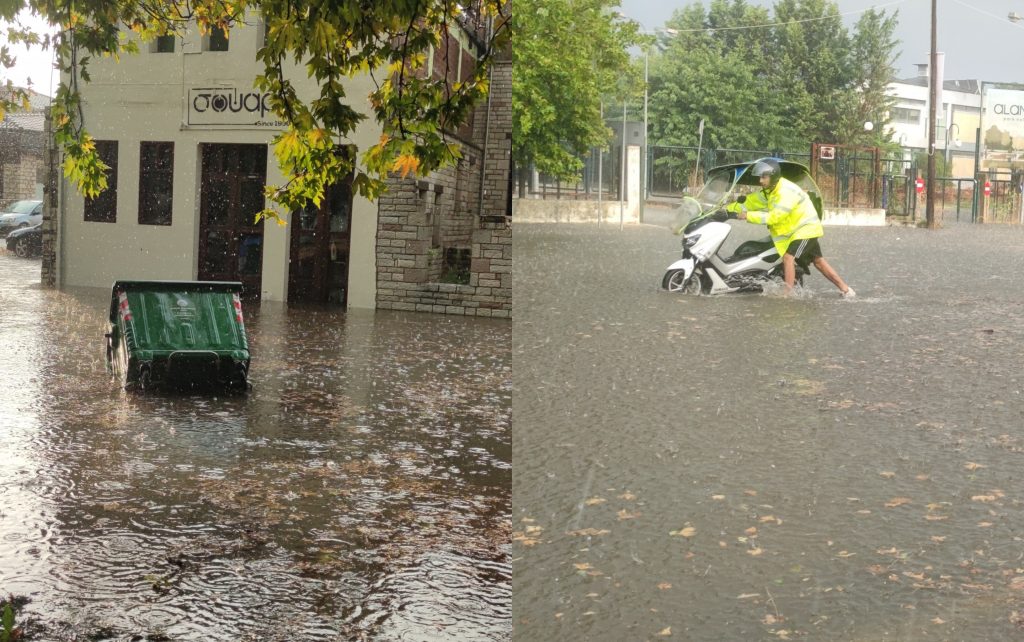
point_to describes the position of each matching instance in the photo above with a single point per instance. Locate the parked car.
(20, 214)
(26, 241)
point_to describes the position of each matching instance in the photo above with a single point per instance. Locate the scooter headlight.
(690, 241)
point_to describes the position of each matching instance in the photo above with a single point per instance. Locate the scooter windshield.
(718, 186)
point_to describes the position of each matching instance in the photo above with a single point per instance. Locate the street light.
(644, 155)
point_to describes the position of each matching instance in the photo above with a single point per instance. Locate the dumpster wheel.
(145, 379)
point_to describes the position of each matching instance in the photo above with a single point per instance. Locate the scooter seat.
(748, 249)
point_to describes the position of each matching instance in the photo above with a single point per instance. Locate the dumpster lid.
(168, 286)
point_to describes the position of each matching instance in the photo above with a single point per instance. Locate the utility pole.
(933, 74)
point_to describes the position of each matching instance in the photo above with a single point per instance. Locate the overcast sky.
(978, 39)
(31, 63)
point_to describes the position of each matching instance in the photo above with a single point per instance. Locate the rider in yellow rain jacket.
(792, 220)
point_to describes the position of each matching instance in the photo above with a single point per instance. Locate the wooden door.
(321, 237)
(231, 193)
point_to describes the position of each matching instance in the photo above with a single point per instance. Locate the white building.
(188, 141)
(957, 120)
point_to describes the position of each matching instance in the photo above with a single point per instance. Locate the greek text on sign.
(230, 107)
(827, 152)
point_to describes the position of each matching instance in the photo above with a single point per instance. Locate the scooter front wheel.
(676, 281)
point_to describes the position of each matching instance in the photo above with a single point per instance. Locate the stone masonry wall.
(419, 219)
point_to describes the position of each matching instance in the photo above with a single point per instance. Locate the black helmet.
(768, 167)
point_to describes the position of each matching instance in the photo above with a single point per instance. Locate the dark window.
(164, 44)
(218, 40)
(156, 183)
(103, 208)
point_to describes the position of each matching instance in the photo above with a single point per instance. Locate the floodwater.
(361, 491)
(753, 467)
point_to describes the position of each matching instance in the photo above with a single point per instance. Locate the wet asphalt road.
(752, 467)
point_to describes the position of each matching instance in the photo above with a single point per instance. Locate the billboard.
(1002, 127)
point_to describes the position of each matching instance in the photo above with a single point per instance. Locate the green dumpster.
(177, 334)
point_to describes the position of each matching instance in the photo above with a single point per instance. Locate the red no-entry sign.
(919, 185)
(988, 188)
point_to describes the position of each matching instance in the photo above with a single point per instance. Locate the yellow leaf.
(664, 586)
(887, 474)
(665, 632)
(718, 498)
(938, 620)
(689, 531)
(582, 567)
(594, 501)
(628, 496)
(755, 551)
(984, 498)
(625, 514)
(897, 501)
(973, 466)
(405, 164)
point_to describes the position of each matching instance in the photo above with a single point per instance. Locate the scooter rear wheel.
(676, 281)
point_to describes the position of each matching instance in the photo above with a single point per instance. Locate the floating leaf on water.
(747, 596)
(845, 554)
(984, 498)
(585, 566)
(755, 551)
(973, 466)
(984, 524)
(936, 518)
(588, 532)
(887, 474)
(718, 498)
(751, 532)
(594, 501)
(665, 632)
(664, 586)
(897, 501)
(625, 514)
(688, 531)
(627, 496)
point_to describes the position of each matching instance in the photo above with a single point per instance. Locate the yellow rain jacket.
(787, 210)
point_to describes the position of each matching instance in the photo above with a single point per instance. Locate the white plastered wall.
(142, 98)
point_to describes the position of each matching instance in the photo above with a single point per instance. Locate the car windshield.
(22, 207)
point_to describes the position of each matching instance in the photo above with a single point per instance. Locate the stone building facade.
(21, 153)
(444, 243)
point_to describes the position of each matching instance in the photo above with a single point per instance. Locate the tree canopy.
(388, 39)
(567, 55)
(776, 80)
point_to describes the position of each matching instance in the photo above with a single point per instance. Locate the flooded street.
(752, 467)
(360, 491)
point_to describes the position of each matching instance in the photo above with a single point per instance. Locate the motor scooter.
(706, 265)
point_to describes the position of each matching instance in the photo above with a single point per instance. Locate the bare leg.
(830, 274)
(788, 272)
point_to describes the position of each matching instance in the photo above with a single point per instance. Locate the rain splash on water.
(754, 467)
(361, 490)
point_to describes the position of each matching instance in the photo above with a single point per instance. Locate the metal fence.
(849, 177)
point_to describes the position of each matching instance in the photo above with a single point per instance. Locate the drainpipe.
(487, 122)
